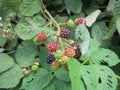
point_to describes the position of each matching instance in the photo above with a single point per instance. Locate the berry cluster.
(57, 57)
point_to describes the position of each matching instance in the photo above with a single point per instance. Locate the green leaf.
(12, 4)
(6, 62)
(98, 77)
(94, 46)
(26, 53)
(112, 29)
(83, 37)
(74, 5)
(118, 24)
(74, 73)
(116, 9)
(30, 7)
(60, 85)
(104, 56)
(43, 55)
(28, 28)
(2, 40)
(50, 87)
(37, 81)
(62, 74)
(98, 31)
(91, 77)
(11, 77)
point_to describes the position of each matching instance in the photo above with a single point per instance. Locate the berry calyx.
(55, 64)
(70, 52)
(52, 46)
(80, 21)
(58, 55)
(70, 23)
(64, 60)
(64, 33)
(41, 36)
(50, 58)
(34, 67)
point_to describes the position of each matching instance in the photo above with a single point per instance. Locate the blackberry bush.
(59, 44)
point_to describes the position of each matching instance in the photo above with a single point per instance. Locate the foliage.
(89, 28)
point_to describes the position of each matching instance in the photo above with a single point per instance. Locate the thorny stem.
(53, 20)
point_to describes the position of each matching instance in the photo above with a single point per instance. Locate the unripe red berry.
(52, 46)
(41, 36)
(80, 21)
(55, 64)
(70, 52)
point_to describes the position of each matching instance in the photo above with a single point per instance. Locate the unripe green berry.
(35, 40)
(34, 67)
(58, 55)
(70, 23)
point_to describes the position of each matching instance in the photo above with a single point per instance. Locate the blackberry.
(77, 53)
(76, 45)
(50, 58)
(64, 33)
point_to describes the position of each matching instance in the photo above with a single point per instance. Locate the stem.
(51, 34)
(61, 43)
(85, 61)
(53, 20)
(50, 16)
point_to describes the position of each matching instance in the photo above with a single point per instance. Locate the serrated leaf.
(28, 28)
(92, 18)
(62, 74)
(98, 77)
(30, 7)
(26, 53)
(118, 25)
(98, 31)
(116, 9)
(76, 3)
(74, 73)
(12, 4)
(50, 87)
(104, 56)
(6, 62)
(37, 81)
(60, 85)
(94, 46)
(91, 77)
(112, 29)
(83, 37)
(43, 58)
(11, 77)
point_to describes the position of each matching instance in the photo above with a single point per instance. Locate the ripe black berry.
(76, 45)
(64, 33)
(77, 53)
(50, 58)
